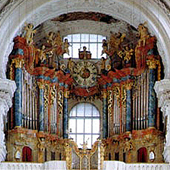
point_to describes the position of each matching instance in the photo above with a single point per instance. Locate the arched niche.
(26, 154)
(142, 154)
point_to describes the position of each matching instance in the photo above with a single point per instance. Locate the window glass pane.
(71, 51)
(100, 38)
(73, 112)
(76, 48)
(80, 110)
(84, 37)
(87, 125)
(95, 112)
(82, 129)
(68, 37)
(94, 138)
(72, 124)
(77, 41)
(96, 125)
(93, 38)
(86, 45)
(72, 137)
(93, 50)
(99, 50)
(88, 110)
(88, 140)
(80, 125)
(66, 55)
(76, 37)
(79, 140)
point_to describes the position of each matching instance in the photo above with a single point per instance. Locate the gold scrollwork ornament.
(110, 102)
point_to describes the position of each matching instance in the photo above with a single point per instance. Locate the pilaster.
(128, 106)
(152, 64)
(162, 89)
(41, 106)
(18, 94)
(7, 88)
(105, 116)
(65, 118)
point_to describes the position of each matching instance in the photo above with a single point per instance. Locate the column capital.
(129, 85)
(152, 63)
(66, 94)
(7, 89)
(162, 89)
(41, 85)
(18, 62)
(104, 94)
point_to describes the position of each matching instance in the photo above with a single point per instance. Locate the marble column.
(128, 106)
(7, 88)
(41, 106)
(152, 96)
(105, 116)
(65, 114)
(18, 93)
(162, 89)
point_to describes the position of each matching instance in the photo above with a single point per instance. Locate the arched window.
(93, 43)
(26, 154)
(84, 124)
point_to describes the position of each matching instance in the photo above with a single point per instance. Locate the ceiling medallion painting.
(94, 16)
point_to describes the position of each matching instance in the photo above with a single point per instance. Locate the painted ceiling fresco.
(94, 16)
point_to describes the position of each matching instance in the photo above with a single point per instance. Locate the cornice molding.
(163, 6)
(7, 89)
(7, 7)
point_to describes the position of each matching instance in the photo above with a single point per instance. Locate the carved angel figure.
(128, 145)
(41, 144)
(70, 65)
(116, 40)
(29, 33)
(104, 46)
(51, 38)
(58, 44)
(143, 34)
(42, 54)
(66, 45)
(41, 147)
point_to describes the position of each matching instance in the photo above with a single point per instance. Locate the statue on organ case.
(84, 54)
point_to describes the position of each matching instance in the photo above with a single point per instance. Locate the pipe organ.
(123, 83)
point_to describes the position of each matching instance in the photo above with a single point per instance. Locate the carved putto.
(115, 41)
(29, 33)
(143, 34)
